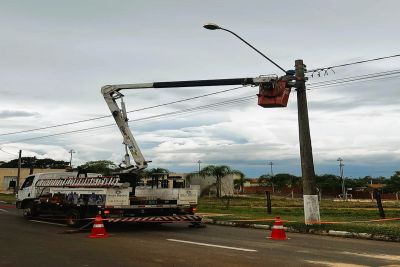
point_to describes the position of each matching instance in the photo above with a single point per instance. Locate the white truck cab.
(29, 191)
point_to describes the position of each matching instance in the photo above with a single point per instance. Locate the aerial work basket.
(274, 94)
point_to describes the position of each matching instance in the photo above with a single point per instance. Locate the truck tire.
(73, 218)
(29, 211)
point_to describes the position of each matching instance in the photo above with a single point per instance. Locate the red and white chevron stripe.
(176, 218)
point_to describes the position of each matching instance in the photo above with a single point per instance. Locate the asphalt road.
(30, 243)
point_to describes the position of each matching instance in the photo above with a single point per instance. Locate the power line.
(1, 149)
(136, 110)
(214, 105)
(366, 78)
(311, 86)
(351, 63)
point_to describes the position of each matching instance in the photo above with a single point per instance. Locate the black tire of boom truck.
(29, 210)
(73, 218)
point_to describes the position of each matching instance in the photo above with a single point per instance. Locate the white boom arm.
(111, 93)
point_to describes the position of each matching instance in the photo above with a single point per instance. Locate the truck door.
(26, 189)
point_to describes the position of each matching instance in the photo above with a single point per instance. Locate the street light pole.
(271, 163)
(19, 171)
(344, 194)
(199, 162)
(310, 196)
(272, 175)
(70, 160)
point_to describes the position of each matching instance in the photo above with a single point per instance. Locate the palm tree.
(240, 182)
(219, 172)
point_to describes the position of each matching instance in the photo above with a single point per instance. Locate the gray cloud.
(16, 113)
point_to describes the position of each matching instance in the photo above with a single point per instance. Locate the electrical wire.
(312, 86)
(1, 149)
(356, 81)
(214, 105)
(366, 77)
(188, 99)
(352, 63)
(136, 110)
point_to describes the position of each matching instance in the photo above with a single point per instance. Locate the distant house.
(251, 182)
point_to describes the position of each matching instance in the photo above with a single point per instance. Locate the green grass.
(10, 198)
(253, 208)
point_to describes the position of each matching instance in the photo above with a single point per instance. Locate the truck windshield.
(28, 182)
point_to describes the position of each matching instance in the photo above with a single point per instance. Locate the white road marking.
(58, 224)
(4, 210)
(211, 245)
(334, 264)
(375, 256)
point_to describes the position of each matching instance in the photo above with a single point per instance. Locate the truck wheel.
(73, 218)
(29, 211)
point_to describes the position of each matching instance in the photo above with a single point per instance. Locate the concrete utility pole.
(199, 162)
(272, 175)
(19, 171)
(310, 196)
(344, 193)
(271, 163)
(70, 160)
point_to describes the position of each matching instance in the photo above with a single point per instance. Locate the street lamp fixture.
(213, 26)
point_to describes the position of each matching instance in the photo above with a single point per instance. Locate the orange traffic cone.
(278, 232)
(98, 230)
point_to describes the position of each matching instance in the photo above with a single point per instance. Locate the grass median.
(8, 198)
(342, 216)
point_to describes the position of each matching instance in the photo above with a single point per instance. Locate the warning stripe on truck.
(176, 218)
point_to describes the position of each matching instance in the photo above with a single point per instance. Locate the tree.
(328, 183)
(157, 171)
(105, 167)
(394, 182)
(279, 181)
(219, 172)
(239, 183)
(283, 180)
(267, 180)
(264, 180)
(33, 162)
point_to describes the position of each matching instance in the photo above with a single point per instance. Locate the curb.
(333, 233)
(5, 202)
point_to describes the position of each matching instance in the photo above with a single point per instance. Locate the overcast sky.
(56, 55)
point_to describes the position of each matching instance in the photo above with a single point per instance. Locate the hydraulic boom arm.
(111, 94)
